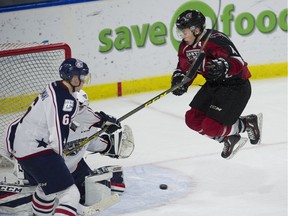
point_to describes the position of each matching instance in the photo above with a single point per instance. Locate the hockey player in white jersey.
(37, 141)
(119, 144)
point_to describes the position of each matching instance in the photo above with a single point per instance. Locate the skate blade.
(240, 144)
(260, 123)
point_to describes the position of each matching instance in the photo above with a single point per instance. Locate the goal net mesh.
(26, 68)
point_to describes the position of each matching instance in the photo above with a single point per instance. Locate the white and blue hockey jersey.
(45, 125)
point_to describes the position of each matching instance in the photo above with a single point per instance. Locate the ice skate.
(253, 124)
(232, 144)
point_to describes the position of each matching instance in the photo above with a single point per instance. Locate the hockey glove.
(216, 69)
(110, 150)
(108, 120)
(178, 77)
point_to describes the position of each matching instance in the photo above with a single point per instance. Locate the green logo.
(123, 37)
(157, 33)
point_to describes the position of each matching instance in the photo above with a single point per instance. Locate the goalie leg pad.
(117, 180)
(97, 187)
(79, 176)
(11, 202)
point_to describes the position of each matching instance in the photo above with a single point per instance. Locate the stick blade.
(102, 205)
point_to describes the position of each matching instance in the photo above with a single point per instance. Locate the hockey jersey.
(218, 46)
(45, 125)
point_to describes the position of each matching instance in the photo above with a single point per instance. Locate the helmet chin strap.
(196, 37)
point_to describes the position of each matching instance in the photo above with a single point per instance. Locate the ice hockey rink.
(200, 182)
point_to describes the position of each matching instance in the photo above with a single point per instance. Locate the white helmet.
(82, 98)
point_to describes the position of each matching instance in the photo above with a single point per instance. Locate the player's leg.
(194, 119)
(42, 204)
(79, 175)
(253, 127)
(222, 120)
(52, 175)
(199, 106)
(68, 201)
(252, 124)
(228, 104)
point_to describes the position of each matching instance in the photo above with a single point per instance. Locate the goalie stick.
(16, 188)
(102, 205)
(189, 76)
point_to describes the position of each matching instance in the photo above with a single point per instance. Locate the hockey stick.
(14, 188)
(102, 205)
(189, 76)
(199, 59)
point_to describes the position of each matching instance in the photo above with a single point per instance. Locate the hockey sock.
(237, 128)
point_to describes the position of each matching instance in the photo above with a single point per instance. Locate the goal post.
(25, 69)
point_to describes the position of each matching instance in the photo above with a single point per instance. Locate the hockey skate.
(253, 124)
(232, 144)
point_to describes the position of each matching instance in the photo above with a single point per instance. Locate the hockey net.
(26, 68)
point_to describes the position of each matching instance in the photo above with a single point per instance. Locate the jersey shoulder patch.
(68, 105)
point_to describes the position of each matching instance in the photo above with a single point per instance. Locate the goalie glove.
(216, 69)
(120, 143)
(177, 78)
(108, 120)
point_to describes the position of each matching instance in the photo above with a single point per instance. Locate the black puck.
(163, 186)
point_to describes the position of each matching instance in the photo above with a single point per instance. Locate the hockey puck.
(163, 186)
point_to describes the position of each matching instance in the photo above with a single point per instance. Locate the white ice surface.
(200, 182)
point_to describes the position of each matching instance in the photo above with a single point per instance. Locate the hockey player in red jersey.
(216, 108)
(37, 140)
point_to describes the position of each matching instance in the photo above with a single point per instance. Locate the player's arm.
(119, 144)
(108, 121)
(222, 59)
(178, 75)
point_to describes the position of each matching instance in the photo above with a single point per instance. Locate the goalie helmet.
(191, 19)
(71, 67)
